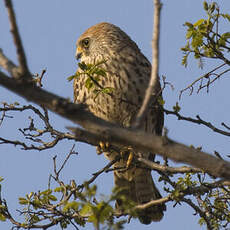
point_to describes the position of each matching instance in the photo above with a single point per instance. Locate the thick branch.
(155, 65)
(144, 142)
(99, 130)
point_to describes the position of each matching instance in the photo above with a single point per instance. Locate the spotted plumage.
(128, 73)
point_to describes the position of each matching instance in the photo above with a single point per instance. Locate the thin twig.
(17, 39)
(96, 174)
(153, 202)
(167, 169)
(66, 159)
(207, 75)
(198, 121)
(155, 66)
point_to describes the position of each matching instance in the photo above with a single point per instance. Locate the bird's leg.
(129, 151)
(102, 147)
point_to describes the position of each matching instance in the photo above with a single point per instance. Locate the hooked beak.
(78, 53)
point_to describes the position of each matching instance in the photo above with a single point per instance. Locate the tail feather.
(141, 189)
(146, 191)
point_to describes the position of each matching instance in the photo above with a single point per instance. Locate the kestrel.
(128, 73)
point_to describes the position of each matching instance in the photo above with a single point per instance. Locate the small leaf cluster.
(2, 206)
(203, 37)
(176, 108)
(182, 185)
(68, 203)
(216, 204)
(93, 74)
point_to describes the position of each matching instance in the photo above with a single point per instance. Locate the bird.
(128, 73)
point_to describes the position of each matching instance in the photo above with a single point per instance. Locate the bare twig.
(155, 66)
(167, 169)
(17, 40)
(205, 76)
(72, 152)
(153, 202)
(198, 121)
(96, 174)
(43, 145)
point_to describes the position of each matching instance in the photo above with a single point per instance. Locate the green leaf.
(226, 35)
(23, 201)
(201, 221)
(176, 108)
(189, 34)
(35, 219)
(71, 77)
(86, 210)
(226, 16)
(46, 192)
(52, 197)
(83, 66)
(104, 210)
(185, 60)
(2, 217)
(2, 207)
(212, 7)
(100, 72)
(205, 5)
(89, 83)
(71, 206)
(29, 196)
(197, 40)
(188, 24)
(1, 179)
(107, 90)
(80, 221)
(161, 101)
(59, 189)
(199, 22)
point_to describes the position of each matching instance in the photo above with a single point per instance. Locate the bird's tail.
(141, 189)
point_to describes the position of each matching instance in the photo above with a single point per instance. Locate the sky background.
(49, 30)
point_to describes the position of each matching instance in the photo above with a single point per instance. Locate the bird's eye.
(85, 43)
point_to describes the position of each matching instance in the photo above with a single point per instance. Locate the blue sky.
(49, 30)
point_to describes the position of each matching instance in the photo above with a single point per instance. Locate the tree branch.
(8, 65)
(17, 40)
(155, 66)
(167, 169)
(100, 130)
(198, 121)
(144, 142)
(153, 202)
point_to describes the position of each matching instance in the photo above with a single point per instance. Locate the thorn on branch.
(38, 78)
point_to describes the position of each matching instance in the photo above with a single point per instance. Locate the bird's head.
(102, 41)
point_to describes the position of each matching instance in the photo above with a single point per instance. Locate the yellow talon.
(98, 150)
(102, 147)
(107, 145)
(130, 159)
